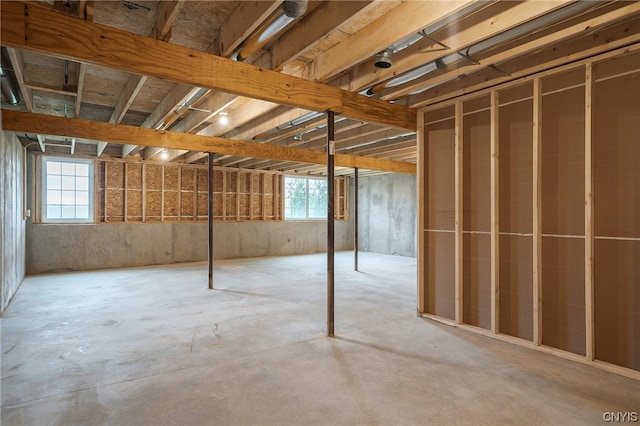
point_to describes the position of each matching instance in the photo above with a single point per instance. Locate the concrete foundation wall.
(387, 214)
(61, 247)
(12, 225)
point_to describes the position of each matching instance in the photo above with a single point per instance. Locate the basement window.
(305, 198)
(66, 190)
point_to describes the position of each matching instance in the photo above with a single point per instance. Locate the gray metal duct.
(10, 91)
(271, 27)
(294, 8)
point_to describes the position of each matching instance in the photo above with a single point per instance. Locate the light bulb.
(224, 119)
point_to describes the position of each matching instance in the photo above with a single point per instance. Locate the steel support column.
(355, 220)
(210, 183)
(330, 220)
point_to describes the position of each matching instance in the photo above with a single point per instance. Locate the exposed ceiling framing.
(168, 71)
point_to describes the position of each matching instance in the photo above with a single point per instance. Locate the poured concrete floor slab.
(153, 346)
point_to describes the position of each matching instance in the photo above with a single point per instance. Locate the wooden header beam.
(32, 27)
(117, 133)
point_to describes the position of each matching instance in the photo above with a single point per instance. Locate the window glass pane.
(68, 183)
(53, 167)
(317, 198)
(68, 197)
(296, 198)
(53, 197)
(53, 212)
(305, 198)
(82, 212)
(68, 169)
(82, 170)
(68, 212)
(82, 183)
(53, 182)
(68, 194)
(82, 198)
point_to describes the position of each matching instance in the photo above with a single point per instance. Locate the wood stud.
(459, 162)
(258, 186)
(588, 215)
(495, 212)
(537, 211)
(590, 357)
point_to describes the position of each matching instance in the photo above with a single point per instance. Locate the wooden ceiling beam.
(522, 49)
(283, 53)
(165, 108)
(17, 64)
(407, 18)
(603, 43)
(167, 13)
(117, 133)
(481, 26)
(31, 27)
(82, 70)
(242, 22)
(313, 28)
(126, 98)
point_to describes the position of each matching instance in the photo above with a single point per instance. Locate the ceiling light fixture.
(164, 155)
(384, 59)
(224, 118)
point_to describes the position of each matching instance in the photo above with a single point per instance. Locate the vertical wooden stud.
(180, 170)
(251, 191)
(537, 211)
(106, 200)
(264, 196)
(274, 201)
(162, 194)
(459, 165)
(281, 186)
(421, 196)
(126, 191)
(195, 194)
(224, 194)
(588, 214)
(238, 195)
(495, 211)
(144, 192)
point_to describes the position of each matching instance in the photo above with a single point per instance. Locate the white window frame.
(44, 188)
(307, 179)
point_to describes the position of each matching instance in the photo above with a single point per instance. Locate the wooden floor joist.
(117, 133)
(32, 27)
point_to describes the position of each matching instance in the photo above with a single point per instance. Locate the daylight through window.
(305, 198)
(67, 190)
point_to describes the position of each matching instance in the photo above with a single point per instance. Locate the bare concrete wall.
(79, 247)
(387, 214)
(12, 225)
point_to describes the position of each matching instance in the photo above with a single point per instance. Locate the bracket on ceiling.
(433, 40)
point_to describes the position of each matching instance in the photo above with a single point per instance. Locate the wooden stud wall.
(154, 192)
(530, 212)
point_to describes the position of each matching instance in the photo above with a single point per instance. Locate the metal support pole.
(210, 218)
(330, 220)
(355, 220)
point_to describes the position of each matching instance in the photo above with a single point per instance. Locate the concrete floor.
(152, 346)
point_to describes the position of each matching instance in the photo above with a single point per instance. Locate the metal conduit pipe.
(9, 86)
